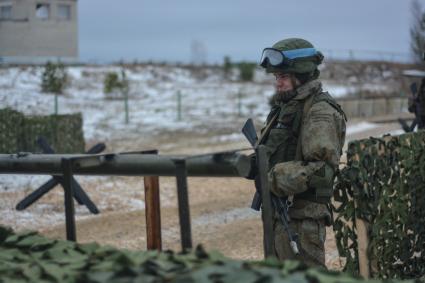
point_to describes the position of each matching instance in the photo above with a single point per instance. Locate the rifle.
(279, 204)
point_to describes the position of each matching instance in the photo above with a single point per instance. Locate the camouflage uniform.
(304, 143)
(322, 135)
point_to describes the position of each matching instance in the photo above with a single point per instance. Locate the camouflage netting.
(18, 133)
(384, 184)
(10, 128)
(29, 257)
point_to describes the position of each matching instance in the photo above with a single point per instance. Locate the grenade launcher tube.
(208, 165)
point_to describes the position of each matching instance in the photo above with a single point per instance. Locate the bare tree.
(417, 31)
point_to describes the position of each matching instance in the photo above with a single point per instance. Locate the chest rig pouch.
(281, 141)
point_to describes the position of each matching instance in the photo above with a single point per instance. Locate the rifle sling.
(266, 131)
(307, 105)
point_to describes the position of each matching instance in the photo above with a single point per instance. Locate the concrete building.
(35, 31)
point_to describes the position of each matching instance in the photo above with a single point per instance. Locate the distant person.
(304, 136)
(417, 107)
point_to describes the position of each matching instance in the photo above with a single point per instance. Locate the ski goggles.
(275, 57)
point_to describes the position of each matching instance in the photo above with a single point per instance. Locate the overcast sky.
(165, 30)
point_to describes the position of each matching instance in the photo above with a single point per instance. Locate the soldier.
(417, 107)
(304, 136)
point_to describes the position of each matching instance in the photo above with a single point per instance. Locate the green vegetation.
(54, 78)
(114, 82)
(246, 71)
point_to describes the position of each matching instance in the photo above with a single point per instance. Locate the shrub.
(246, 71)
(115, 83)
(54, 78)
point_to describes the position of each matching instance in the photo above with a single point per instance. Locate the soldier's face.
(284, 82)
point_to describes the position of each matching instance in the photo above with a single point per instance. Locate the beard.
(284, 96)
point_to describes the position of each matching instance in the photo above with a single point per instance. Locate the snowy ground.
(207, 102)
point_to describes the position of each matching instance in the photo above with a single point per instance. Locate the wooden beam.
(153, 213)
(362, 246)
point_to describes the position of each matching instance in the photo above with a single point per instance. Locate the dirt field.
(219, 207)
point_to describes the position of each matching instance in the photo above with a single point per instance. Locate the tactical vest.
(282, 139)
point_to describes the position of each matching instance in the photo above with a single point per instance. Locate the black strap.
(267, 129)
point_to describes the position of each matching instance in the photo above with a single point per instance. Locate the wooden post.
(152, 210)
(362, 237)
(153, 213)
(362, 246)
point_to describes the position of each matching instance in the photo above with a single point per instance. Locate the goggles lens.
(275, 57)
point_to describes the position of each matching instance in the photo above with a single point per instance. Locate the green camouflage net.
(18, 133)
(10, 124)
(29, 257)
(384, 184)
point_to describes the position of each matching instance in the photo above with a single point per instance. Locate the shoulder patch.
(325, 96)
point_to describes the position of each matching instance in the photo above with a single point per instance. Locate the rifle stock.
(251, 135)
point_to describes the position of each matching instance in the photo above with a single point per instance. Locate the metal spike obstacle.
(78, 193)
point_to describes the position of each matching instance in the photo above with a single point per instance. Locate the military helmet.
(292, 55)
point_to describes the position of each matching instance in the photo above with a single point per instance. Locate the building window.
(64, 12)
(42, 11)
(5, 12)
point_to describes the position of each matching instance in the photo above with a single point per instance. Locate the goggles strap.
(290, 56)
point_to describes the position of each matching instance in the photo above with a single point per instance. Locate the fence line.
(370, 107)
